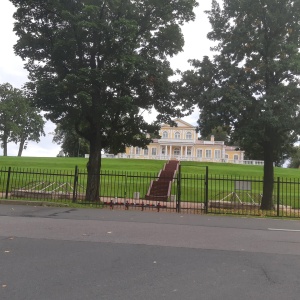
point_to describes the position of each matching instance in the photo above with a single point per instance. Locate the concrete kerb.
(33, 203)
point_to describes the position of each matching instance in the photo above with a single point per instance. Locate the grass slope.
(141, 165)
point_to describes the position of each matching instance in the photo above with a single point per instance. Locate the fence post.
(178, 198)
(74, 199)
(8, 182)
(206, 190)
(125, 188)
(278, 196)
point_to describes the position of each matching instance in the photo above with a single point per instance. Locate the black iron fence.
(188, 193)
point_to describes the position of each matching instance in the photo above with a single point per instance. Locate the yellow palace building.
(182, 143)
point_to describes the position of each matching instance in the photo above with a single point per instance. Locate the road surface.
(63, 253)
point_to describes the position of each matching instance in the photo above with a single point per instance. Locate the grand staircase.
(160, 189)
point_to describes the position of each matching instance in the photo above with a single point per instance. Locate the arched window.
(165, 135)
(188, 135)
(177, 135)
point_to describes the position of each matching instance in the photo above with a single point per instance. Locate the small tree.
(20, 121)
(30, 125)
(97, 64)
(295, 158)
(9, 99)
(251, 86)
(72, 144)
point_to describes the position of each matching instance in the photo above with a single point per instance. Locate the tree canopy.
(20, 121)
(251, 86)
(294, 159)
(71, 143)
(98, 64)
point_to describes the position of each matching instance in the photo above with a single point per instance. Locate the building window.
(235, 157)
(199, 153)
(163, 150)
(137, 150)
(146, 151)
(153, 151)
(189, 152)
(217, 153)
(177, 135)
(176, 151)
(165, 135)
(188, 135)
(226, 156)
(208, 153)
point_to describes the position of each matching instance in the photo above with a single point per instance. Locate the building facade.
(182, 143)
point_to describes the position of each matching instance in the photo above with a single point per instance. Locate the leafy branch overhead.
(97, 64)
(251, 86)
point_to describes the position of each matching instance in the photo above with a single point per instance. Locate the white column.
(170, 151)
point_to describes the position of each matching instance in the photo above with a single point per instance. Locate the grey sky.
(11, 66)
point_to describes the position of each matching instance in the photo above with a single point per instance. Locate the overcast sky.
(11, 66)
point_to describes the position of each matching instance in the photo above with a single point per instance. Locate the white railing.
(186, 158)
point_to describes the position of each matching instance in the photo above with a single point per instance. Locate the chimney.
(212, 138)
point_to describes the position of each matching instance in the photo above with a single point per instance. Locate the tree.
(295, 158)
(251, 86)
(30, 125)
(20, 121)
(9, 98)
(219, 135)
(71, 143)
(98, 63)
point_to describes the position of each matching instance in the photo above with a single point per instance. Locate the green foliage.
(71, 143)
(98, 64)
(9, 98)
(295, 158)
(20, 121)
(251, 86)
(219, 135)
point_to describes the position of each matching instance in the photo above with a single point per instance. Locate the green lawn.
(131, 165)
(123, 177)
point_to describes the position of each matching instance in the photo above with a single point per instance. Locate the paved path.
(62, 253)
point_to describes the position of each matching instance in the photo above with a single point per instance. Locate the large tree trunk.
(267, 199)
(93, 170)
(4, 143)
(21, 147)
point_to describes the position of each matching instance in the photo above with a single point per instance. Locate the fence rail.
(190, 193)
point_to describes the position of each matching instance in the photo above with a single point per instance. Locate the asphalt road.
(62, 253)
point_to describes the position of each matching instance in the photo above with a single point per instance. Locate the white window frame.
(146, 151)
(165, 135)
(189, 151)
(176, 151)
(177, 135)
(199, 153)
(153, 151)
(188, 135)
(137, 150)
(208, 151)
(217, 153)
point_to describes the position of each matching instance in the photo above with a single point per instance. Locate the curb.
(33, 203)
